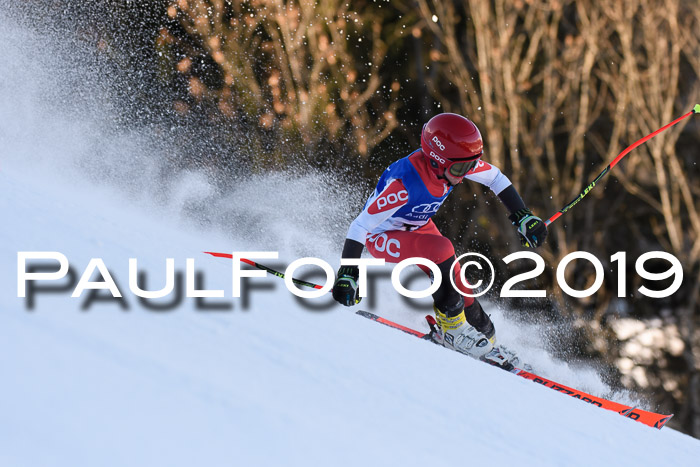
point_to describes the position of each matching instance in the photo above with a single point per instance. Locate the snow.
(275, 384)
(272, 383)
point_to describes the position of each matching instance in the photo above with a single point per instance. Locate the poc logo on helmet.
(437, 158)
(439, 143)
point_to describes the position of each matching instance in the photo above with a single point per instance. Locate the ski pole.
(265, 268)
(590, 186)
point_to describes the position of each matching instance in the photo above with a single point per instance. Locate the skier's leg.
(451, 302)
(466, 327)
(463, 324)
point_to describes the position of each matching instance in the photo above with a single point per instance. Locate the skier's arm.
(531, 228)
(511, 199)
(490, 176)
(345, 288)
(379, 208)
(352, 248)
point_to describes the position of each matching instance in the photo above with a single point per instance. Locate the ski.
(651, 419)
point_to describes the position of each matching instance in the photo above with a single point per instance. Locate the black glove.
(345, 290)
(531, 228)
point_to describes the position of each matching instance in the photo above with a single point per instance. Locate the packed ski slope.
(267, 382)
(276, 384)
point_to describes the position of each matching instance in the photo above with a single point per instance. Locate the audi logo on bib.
(426, 208)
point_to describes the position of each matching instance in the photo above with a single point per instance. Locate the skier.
(396, 224)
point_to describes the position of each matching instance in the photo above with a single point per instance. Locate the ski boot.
(457, 334)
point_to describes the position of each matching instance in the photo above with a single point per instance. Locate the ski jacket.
(408, 194)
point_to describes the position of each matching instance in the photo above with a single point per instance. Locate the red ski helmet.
(451, 142)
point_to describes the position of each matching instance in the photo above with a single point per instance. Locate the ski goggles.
(460, 168)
